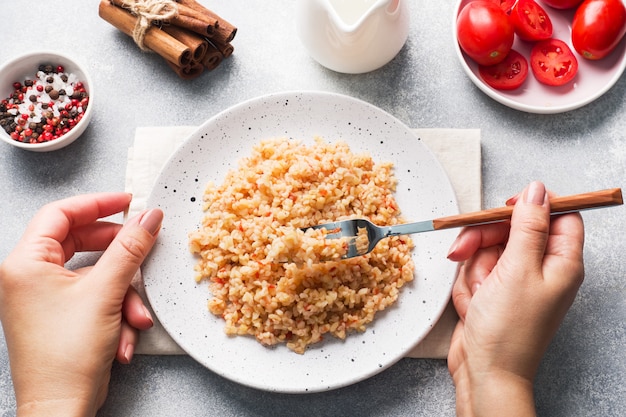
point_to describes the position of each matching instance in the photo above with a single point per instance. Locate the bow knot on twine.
(147, 12)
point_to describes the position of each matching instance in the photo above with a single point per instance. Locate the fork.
(357, 230)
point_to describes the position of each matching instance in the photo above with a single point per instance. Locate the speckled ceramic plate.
(180, 304)
(594, 78)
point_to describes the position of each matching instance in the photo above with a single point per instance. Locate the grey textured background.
(584, 370)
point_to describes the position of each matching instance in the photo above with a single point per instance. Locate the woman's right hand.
(515, 285)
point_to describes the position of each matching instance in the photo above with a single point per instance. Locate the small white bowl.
(594, 78)
(26, 67)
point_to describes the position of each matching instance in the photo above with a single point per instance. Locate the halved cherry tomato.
(562, 4)
(530, 20)
(508, 74)
(598, 26)
(552, 62)
(485, 32)
(505, 5)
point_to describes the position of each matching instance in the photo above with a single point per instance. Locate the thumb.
(121, 260)
(530, 225)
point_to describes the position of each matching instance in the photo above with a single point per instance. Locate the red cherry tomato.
(531, 22)
(508, 74)
(505, 5)
(552, 62)
(485, 32)
(598, 26)
(562, 4)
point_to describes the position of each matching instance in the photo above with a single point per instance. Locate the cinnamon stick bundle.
(158, 41)
(190, 37)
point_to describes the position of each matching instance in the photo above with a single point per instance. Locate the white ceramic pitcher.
(352, 36)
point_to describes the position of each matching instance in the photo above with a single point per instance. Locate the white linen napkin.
(458, 151)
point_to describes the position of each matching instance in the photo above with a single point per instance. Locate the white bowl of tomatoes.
(542, 56)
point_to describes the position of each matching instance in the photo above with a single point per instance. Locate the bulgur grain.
(265, 274)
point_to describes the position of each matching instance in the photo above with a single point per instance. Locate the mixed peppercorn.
(44, 108)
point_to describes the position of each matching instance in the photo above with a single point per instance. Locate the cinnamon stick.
(212, 58)
(211, 20)
(197, 44)
(156, 40)
(225, 31)
(193, 24)
(224, 34)
(226, 49)
(187, 72)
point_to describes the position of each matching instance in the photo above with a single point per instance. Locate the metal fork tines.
(360, 234)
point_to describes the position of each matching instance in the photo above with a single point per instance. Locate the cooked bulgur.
(264, 272)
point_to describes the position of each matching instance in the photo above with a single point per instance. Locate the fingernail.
(128, 353)
(453, 248)
(146, 312)
(151, 221)
(475, 287)
(512, 200)
(536, 193)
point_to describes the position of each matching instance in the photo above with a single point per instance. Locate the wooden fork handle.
(558, 205)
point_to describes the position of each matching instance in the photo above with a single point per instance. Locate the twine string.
(147, 12)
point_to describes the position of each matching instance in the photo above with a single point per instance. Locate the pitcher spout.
(352, 36)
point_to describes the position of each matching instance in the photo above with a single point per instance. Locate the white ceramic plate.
(180, 304)
(594, 78)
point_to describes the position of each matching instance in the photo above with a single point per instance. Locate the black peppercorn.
(54, 94)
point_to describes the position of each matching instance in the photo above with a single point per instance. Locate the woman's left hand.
(63, 328)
